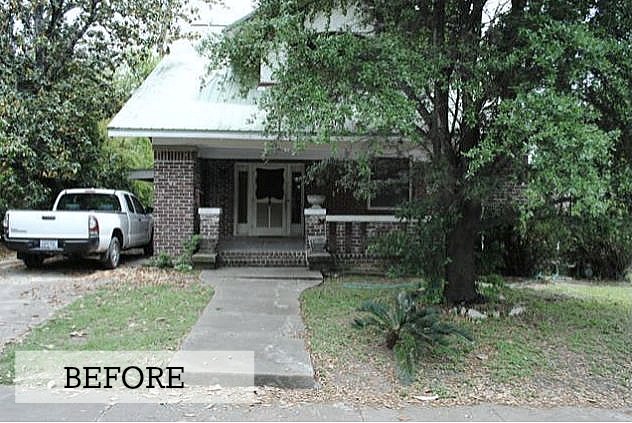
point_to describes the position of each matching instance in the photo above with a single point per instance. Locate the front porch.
(254, 213)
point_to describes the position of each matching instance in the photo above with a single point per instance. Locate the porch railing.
(349, 236)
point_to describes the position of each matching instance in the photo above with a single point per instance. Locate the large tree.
(530, 93)
(58, 64)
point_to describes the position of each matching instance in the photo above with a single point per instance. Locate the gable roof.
(173, 102)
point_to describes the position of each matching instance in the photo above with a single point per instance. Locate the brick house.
(211, 176)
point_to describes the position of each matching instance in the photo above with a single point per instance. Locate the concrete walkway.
(257, 309)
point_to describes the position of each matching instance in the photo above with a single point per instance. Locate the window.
(242, 194)
(297, 197)
(130, 206)
(392, 184)
(88, 202)
(138, 206)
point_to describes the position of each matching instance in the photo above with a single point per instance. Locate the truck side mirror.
(149, 210)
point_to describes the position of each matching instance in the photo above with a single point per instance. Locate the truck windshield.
(86, 202)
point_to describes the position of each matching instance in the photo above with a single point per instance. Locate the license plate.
(47, 244)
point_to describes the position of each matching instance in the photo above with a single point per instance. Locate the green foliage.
(407, 358)
(161, 261)
(182, 263)
(410, 328)
(433, 291)
(491, 287)
(422, 249)
(58, 84)
(136, 153)
(536, 96)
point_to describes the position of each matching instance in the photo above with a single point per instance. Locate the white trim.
(249, 228)
(364, 218)
(213, 211)
(257, 153)
(187, 134)
(315, 212)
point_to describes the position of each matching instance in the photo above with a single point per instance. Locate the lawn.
(571, 346)
(123, 316)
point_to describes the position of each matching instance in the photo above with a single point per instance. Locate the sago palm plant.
(410, 329)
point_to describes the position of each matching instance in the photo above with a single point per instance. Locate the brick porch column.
(318, 258)
(209, 229)
(176, 187)
(315, 224)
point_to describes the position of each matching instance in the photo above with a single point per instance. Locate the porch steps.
(280, 258)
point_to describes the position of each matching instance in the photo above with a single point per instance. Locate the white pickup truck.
(84, 222)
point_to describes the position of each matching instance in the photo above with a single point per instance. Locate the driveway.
(29, 297)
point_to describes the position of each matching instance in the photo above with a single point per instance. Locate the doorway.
(269, 199)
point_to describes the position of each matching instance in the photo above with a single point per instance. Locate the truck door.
(134, 223)
(144, 236)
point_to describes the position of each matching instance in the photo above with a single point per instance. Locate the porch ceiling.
(251, 147)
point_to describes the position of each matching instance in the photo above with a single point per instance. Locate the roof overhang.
(187, 134)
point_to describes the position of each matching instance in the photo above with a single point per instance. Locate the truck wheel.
(33, 261)
(148, 249)
(112, 256)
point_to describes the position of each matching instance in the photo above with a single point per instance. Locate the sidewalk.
(298, 412)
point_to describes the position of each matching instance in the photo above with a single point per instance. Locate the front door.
(270, 200)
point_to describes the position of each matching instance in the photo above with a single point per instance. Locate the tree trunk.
(461, 247)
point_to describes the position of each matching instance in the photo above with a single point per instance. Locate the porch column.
(315, 225)
(209, 229)
(176, 187)
(316, 240)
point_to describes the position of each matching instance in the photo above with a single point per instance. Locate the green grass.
(583, 323)
(124, 317)
(328, 310)
(584, 330)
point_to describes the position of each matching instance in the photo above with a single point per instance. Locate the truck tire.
(33, 261)
(148, 250)
(112, 256)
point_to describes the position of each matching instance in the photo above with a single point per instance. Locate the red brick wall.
(176, 179)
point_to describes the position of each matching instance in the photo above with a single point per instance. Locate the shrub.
(161, 261)
(182, 263)
(602, 248)
(597, 247)
(410, 329)
(491, 287)
(433, 291)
